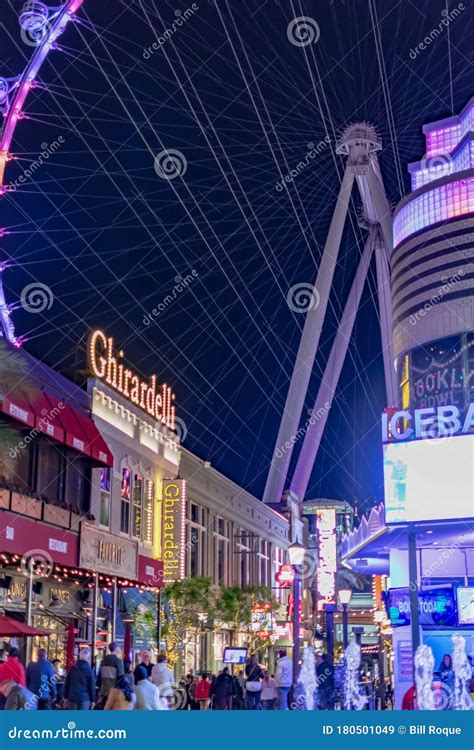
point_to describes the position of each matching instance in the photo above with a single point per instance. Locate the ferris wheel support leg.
(318, 418)
(287, 433)
(383, 212)
(386, 321)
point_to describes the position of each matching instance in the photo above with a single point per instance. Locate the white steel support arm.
(307, 349)
(317, 421)
(386, 318)
(381, 206)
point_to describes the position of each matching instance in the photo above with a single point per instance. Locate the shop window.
(105, 479)
(48, 479)
(77, 482)
(125, 497)
(137, 503)
(149, 501)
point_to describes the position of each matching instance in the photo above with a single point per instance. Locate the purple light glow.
(439, 204)
(442, 140)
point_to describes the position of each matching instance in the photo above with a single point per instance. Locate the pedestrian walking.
(147, 694)
(203, 692)
(18, 697)
(283, 679)
(163, 678)
(121, 696)
(269, 692)
(253, 685)
(12, 669)
(79, 687)
(238, 699)
(41, 679)
(111, 669)
(146, 662)
(224, 690)
(325, 681)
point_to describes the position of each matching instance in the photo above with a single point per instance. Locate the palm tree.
(14, 377)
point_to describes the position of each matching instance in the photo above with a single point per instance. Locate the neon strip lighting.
(442, 166)
(31, 71)
(439, 204)
(442, 140)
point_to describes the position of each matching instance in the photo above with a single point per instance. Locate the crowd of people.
(117, 686)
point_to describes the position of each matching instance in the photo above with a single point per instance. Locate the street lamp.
(345, 596)
(296, 553)
(379, 617)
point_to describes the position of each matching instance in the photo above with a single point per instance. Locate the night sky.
(109, 236)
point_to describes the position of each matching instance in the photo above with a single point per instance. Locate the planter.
(57, 516)
(26, 506)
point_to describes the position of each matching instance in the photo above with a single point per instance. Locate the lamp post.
(296, 554)
(345, 596)
(379, 617)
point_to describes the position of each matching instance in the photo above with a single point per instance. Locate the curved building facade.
(432, 270)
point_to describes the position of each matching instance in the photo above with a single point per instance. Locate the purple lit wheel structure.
(41, 25)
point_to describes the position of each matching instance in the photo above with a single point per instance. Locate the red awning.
(47, 418)
(97, 446)
(11, 627)
(61, 422)
(74, 436)
(19, 409)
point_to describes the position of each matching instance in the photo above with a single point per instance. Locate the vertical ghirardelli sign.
(174, 529)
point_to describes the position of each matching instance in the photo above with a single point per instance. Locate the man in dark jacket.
(145, 662)
(224, 690)
(110, 669)
(41, 679)
(79, 688)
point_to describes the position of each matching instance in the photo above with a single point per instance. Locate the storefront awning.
(19, 409)
(80, 432)
(47, 419)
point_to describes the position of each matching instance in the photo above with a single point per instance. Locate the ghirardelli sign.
(106, 553)
(174, 529)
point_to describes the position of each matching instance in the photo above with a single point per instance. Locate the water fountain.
(353, 698)
(424, 666)
(308, 677)
(462, 675)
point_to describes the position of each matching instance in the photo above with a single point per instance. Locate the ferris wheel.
(40, 27)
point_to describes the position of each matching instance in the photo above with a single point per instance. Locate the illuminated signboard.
(442, 421)
(429, 480)
(174, 529)
(285, 575)
(327, 557)
(436, 607)
(261, 619)
(156, 400)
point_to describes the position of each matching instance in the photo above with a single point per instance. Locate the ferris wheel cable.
(191, 217)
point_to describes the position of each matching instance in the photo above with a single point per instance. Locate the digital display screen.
(234, 655)
(429, 480)
(436, 607)
(465, 597)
